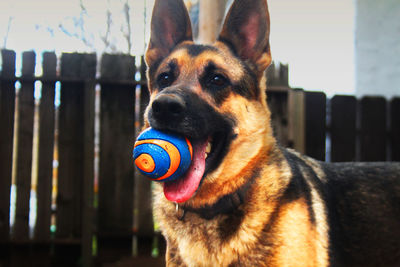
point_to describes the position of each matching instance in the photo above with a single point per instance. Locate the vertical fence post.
(23, 169)
(77, 72)
(373, 129)
(88, 172)
(315, 116)
(7, 106)
(46, 149)
(117, 133)
(343, 128)
(296, 120)
(395, 128)
(46, 113)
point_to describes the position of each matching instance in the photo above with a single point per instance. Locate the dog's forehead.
(195, 58)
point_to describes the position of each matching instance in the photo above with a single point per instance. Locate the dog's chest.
(221, 241)
(200, 242)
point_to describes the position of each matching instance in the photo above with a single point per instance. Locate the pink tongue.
(184, 187)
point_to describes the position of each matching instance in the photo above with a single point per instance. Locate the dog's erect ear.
(246, 31)
(170, 25)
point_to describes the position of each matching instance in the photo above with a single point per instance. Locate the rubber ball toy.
(162, 156)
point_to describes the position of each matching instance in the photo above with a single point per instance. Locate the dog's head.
(212, 94)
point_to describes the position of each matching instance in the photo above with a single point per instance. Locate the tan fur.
(295, 237)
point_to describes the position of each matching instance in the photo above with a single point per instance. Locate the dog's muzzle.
(168, 107)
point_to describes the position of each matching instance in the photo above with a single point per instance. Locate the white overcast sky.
(315, 37)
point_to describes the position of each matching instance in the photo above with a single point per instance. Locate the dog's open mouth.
(207, 155)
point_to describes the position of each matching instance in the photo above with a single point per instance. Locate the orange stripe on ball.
(190, 147)
(145, 162)
(173, 152)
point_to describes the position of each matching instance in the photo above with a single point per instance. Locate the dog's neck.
(225, 205)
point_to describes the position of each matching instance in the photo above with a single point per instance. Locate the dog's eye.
(218, 81)
(165, 79)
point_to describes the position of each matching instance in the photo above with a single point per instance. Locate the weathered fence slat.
(46, 149)
(117, 133)
(373, 129)
(23, 169)
(395, 128)
(71, 144)
(88, 173)
(278, 75)
(315, 117)
(7, 106)
(70, 149)
(296, 120)
(343, 128)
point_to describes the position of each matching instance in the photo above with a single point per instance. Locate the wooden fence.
(339, 129)
(87, 226)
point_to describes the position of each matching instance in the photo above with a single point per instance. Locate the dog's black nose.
(168, 107)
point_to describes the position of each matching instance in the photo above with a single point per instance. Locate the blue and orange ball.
(162, 156)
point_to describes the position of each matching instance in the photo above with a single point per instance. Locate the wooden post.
(277, 75)
(395, 128)
(296, 120)
(7, 106)
(23, 169)
(315, 124)
(46, 148)
(343, 128)
(373, 129)
(88, 212)
(211, 14)
(117, 136)
(74, 200)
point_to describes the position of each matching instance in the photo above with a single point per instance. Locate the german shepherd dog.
(246, 201)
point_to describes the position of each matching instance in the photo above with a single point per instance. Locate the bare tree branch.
(128, 34)
(116, 29)
(106, 37)
(78, 36)
(81, 32)
(5, 40)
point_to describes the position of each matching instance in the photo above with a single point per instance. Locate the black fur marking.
(196, 50)
(298, 186)
(220, 93)
(228, 204)
(230, 225)
(199, 122)
(171, 70)
(264, 238)
(247, 86)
